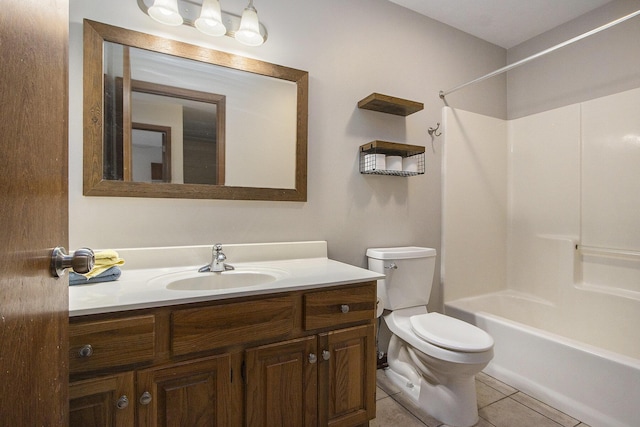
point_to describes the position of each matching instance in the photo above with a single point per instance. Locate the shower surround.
(541, 245)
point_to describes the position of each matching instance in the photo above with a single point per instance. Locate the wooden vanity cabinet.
(103, 401)
(302, 358)
(321, 380)
(188, 394)
(347, 378)
(194, 393)
(282, 384)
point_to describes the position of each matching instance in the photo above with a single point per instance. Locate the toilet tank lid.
(405, 252)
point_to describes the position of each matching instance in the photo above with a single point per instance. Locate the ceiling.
(505, 23)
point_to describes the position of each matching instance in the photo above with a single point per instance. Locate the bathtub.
(583, 359)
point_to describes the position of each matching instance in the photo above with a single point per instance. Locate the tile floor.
(499, 405)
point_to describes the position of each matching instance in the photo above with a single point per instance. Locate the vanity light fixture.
(207, 17)
(210, 20)
(249, 32)
(166, 12)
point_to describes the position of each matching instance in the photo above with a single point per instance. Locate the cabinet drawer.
(339, 306)
(111, 343)
(207, 328)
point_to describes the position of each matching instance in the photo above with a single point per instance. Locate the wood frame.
(95, 34)
(166, 145)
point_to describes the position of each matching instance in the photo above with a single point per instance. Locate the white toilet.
(432, 358)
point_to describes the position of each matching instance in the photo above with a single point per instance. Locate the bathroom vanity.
(299, 350)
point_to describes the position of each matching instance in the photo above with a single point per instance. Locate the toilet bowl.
(439, 377)
(432, 358)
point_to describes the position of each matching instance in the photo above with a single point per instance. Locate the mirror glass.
(168, 119)
(148, 155)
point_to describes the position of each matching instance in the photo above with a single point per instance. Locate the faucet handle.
(217, 247)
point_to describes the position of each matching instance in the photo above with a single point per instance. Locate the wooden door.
(33, 212)
(347, 381)
(282, 384)
(103, 402)
(190, 394)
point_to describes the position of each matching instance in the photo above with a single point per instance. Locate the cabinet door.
(347, 376)
(282, 384)
(102, 402)
(190, 394)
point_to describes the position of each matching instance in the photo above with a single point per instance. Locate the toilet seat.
(450, 333)
(399, 323)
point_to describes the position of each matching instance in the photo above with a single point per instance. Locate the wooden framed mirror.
(247, 118)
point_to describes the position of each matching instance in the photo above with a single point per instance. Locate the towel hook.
(434, 131)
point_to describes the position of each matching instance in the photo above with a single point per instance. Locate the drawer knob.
(145, 399)
(326, 355)
(123, 402)
(344, 308)
(313, 358)
(85, 351)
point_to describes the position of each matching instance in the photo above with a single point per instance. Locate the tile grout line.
(508, 394)
(408, 410)
(549, 406)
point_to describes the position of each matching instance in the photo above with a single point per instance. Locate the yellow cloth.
(104, 261)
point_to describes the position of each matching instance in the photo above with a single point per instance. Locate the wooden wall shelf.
(390, 104)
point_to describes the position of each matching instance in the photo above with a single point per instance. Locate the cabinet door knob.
(344, 308)
(313, 358)
(145, 399)
(326, 355)
(85, 351)
(123, 402)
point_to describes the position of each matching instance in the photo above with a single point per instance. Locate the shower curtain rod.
(539, 54)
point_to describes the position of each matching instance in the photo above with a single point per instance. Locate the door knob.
(81, 261)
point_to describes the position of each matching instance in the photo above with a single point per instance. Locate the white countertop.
(146, 287)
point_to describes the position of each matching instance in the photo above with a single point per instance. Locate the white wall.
(610, 224)
(350, 50)
(474, 233)
(544, 198)
(603, 64)
(611, 171)
(583, 154)
(572, 164)
(572, 182)
(575, 174)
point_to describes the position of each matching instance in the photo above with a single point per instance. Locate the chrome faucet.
(218, 259)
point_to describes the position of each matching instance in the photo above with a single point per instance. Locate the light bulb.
(249, 31)
(210, 20)
(166, 12)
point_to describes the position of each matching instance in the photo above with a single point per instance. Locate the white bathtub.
(583, 359)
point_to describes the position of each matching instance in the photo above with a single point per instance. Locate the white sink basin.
(193, 280)
(224, 280)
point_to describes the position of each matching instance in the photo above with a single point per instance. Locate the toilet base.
(454, 404)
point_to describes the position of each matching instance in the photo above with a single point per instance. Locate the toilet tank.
(409, 275)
